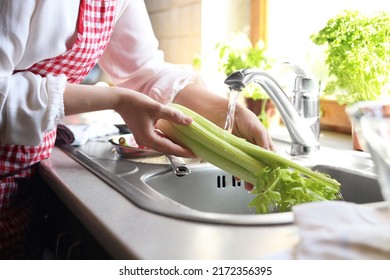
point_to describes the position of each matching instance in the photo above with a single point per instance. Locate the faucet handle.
(303, 82)
(297, 69)
(306, 98)
(303, 85)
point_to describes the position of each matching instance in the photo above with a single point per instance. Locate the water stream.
(229, 123)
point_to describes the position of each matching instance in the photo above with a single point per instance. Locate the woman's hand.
(141, 114)
(247, 125)
(214, 107)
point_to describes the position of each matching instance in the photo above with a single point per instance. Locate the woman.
(46, 49)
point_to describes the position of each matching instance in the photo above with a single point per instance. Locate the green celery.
(278, 182)
(203, 151)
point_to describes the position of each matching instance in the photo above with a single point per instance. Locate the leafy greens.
(358, 56)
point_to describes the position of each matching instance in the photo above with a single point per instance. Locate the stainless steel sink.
(355, 187)
(211, 195)
(210, 189)
(207, 189)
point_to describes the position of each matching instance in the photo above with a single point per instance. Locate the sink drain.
(221, 182)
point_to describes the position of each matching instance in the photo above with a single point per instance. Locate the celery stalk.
(224, 148)
(205, 152)
(268, 157)
(278, 182)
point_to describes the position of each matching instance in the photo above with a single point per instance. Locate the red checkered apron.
(18, 164)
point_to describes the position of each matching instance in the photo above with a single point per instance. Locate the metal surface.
(179, 166)
(133, 151)
(210, 189)
(211, 195)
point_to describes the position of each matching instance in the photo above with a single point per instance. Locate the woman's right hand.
(141, 114)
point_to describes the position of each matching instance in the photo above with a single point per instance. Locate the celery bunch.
(278, 182)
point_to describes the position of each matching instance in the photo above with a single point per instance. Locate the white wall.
(190, 28)
(177, 26)
(186, 28)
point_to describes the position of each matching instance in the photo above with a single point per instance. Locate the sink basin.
(207, 188)
(355, 186)
(211, 195)
(210, 189)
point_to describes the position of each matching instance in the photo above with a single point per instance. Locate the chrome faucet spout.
(302, 128)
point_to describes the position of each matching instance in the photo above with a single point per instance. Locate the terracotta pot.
(355, 142)
(333, 117)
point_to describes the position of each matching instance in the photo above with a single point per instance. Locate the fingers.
(262, 138)
(172, 148)
(265, 141)
(270, 143)
(248, 186)
(248, 126)
(164, 144)
(157, 141)
(175, 116)
(147, 134)
(259, 135)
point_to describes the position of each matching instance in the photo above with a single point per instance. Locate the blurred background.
(187, 29)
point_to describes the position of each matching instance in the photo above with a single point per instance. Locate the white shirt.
(33, 30)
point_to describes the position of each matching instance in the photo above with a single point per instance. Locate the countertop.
(129, 232)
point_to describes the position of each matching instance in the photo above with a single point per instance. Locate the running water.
(233, 95)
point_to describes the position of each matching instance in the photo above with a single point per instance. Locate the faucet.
(300, 116)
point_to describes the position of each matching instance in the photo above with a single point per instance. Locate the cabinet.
(65, 236)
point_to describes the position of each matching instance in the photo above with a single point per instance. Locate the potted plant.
(239, 53)
(357, 56)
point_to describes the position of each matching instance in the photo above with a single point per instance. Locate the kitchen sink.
(210, 189)
(209, 194)
(355, 187)
(207, 189)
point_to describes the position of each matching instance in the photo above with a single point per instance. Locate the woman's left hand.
(248, 126)
(214, 107)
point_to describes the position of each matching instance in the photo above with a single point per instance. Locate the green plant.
(357, 56)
